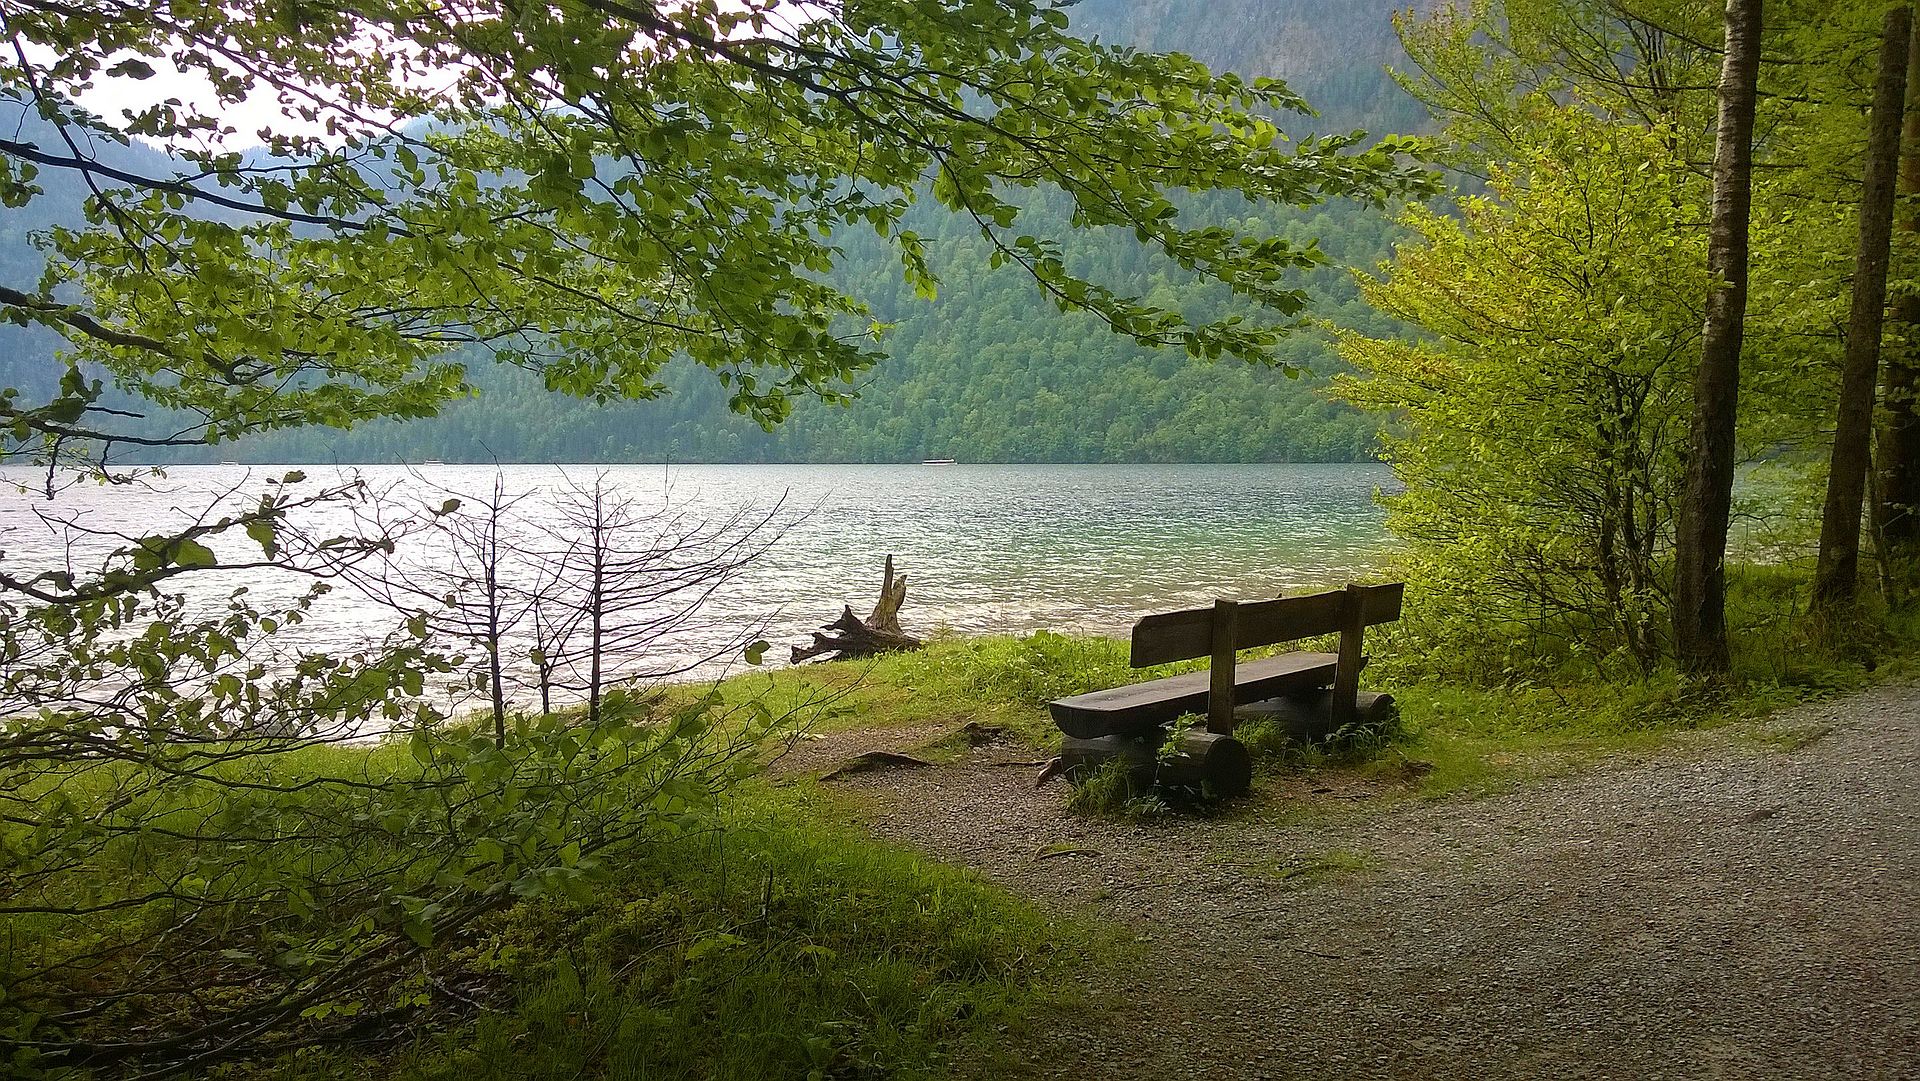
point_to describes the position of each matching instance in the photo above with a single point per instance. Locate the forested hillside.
(1331, 52)
(989, 371)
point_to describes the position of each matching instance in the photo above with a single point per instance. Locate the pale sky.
(111, 95)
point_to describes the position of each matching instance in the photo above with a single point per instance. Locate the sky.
(110, 96)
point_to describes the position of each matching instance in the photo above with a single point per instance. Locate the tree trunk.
(1837, 574)
(1900, 438)
(1706, 500)
(885, 617)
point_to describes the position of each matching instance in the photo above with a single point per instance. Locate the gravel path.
(1727, 909)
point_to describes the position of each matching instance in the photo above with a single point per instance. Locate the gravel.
(1726, 908)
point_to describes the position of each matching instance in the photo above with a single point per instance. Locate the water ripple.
(988, 549)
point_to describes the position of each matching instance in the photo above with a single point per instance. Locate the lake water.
(987, 549)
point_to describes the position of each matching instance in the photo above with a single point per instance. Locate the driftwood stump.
(855, 637)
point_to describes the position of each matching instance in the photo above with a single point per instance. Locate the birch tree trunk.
(1706, 499)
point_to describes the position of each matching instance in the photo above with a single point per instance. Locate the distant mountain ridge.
(1332, 52)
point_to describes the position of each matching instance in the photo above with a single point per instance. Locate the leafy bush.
(221, 893)
(214, 844)
(1564, 293)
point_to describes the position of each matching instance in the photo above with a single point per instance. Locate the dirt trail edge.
(1729, 910)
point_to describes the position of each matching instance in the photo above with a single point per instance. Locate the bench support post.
(1346, 671)
(1220, 684)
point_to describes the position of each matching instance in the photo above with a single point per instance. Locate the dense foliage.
(687, 201)
(981, 374)
(199, 847)
(1545, 408)
(1548, 392)
(586, 193)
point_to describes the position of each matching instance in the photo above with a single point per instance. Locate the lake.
(986, 548)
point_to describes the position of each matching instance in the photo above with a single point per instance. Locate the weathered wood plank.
(1172, 636)
(1380, 604)
(1141, 707)
(1199, 761)
(1220, 685)
(1185, 635)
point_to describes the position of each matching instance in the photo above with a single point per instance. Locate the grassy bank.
(763, 934)
(776, 937)
(1461, 732)
(794, 944)
(783, 942)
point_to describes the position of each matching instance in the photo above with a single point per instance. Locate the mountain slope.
(1332, 52)
(989, 371)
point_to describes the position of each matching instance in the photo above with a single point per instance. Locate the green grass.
(1002, 680)
(774, 938)
(784, 943)
(1479, 739)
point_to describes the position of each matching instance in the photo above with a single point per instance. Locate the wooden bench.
(1109, 723)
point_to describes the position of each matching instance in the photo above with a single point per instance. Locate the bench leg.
(1346, 670)
(1225, 628)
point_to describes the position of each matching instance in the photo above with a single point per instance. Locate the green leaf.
(263, 533)
(713, 944)
(189, 553)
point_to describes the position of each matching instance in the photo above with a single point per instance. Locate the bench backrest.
(1182, 636)
(1221, 631)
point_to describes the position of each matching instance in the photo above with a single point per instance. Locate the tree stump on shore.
(852, 636)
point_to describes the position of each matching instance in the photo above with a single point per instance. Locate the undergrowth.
(784, 942)
(781, 943)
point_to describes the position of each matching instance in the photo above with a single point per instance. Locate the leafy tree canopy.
(593, 187)
(1544, 408)
(1576, 286)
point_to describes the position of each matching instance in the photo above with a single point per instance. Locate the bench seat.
(1139, 708)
